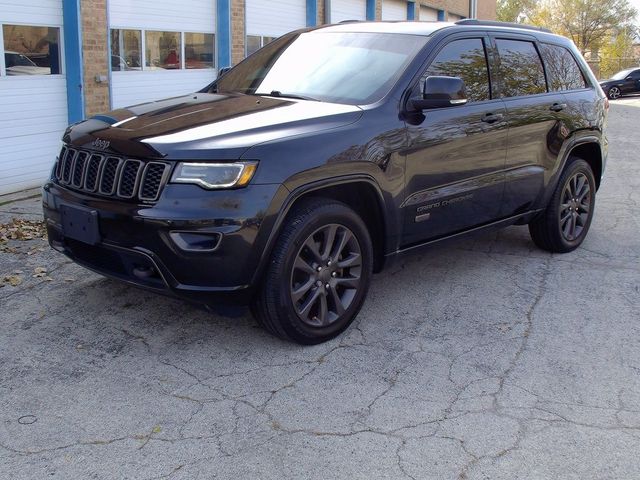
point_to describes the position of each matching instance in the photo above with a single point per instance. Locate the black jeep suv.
(297, 174)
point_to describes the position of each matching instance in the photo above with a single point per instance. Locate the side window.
(562, 69)
(635, 74)
(465, 59)
(520, 70)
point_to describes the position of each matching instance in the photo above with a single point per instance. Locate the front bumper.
(137, 241)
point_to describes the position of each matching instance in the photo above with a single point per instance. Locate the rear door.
(534, 118)
(456, 155)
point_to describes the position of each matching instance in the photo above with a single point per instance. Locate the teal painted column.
(223, 34)
(72, 38)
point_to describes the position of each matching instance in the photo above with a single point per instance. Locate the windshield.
(17, 60)
(621, 75)
(351, 68)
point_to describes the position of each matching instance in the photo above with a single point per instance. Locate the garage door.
(348, 10)
(428, 14)
(266, 21)
(394, 10)
(160, 48)
(33, 93)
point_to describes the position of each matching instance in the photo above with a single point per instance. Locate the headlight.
(215, 175)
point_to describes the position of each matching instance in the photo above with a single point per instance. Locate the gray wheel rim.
(614, 92)
(326, 275)
(575, 206)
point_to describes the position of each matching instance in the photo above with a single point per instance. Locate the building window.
(155, 50)
(162, 50)
(198, 50)
(256, 42)
(126, 46)
(30, 50)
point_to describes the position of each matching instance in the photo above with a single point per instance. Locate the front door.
(456, 155)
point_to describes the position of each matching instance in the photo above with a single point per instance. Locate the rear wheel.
(563, 226)
(319, 274)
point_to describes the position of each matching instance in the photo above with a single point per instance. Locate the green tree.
(514, 10)
(589, 23)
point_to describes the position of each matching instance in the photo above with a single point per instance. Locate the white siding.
(348, 10)
(32, 12)
(32, 120)
(394, 10)
(171, 15)
(428, 14)
(272, 18)
(131, 88)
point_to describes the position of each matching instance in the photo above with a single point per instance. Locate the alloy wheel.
(326, 275)
(575, 206)
(614, 92)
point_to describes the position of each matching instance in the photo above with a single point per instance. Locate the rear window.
(562, 69)
(521, 71)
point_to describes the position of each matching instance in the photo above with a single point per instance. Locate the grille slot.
(109, 173)
(79, 169)
(129, 178)
(112, 176)
(67, 165)
(93, 170)
(152, 179)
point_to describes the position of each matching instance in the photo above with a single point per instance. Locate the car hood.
(201, 125)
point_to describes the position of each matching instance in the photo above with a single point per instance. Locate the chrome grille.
(111, 175)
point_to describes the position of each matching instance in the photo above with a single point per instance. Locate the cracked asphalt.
(482, 359)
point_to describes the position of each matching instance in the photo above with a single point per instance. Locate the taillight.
(606, 103)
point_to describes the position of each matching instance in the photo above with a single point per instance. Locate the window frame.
(498, 66)
(433, 54)
(585, 78)
(61, 50)
(143, 48)
(262, 44)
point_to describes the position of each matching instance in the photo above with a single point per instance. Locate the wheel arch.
(591, 153)
(359, 192)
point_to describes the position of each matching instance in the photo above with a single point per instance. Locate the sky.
(636, 3)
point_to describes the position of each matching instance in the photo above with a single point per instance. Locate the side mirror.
(441, 92)
(223, 71)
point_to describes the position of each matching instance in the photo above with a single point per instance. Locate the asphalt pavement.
(481, 359)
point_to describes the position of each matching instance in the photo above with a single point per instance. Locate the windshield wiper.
(279, 94)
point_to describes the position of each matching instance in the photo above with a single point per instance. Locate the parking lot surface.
(482, 359)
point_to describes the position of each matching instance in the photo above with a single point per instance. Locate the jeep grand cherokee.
(295, 175)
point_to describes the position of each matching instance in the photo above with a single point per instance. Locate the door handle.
(491, 117)
(556, 107)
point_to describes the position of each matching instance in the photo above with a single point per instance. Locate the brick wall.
(378, 9)
(487, 9)
(237, 30)
(94, 55)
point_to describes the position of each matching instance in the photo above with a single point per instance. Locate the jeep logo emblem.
(101, 144)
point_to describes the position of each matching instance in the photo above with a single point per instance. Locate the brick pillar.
(238, 31)
(320, 8)
(94, 55)
(378, 10)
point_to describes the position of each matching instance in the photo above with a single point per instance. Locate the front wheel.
(564, 224)
(614, 92)
(319, 274)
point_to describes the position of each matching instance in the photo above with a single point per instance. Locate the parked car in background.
(19, 64)
(302, 170)
(622, 83)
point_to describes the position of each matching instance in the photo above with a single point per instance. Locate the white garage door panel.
(428, 14)
(394, 10)
(185, 15)
(266, 17)
(34, 12)
(32, 120)
(131, 88)
(348, 10)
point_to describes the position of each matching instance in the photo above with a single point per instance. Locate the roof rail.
(491, 23)
(349, 21)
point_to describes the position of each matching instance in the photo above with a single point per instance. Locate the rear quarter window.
(520, 69)
(562, 69)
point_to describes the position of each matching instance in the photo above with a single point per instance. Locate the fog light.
(196, 241)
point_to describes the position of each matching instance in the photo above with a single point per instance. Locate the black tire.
(302, 271)
(564, 224)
